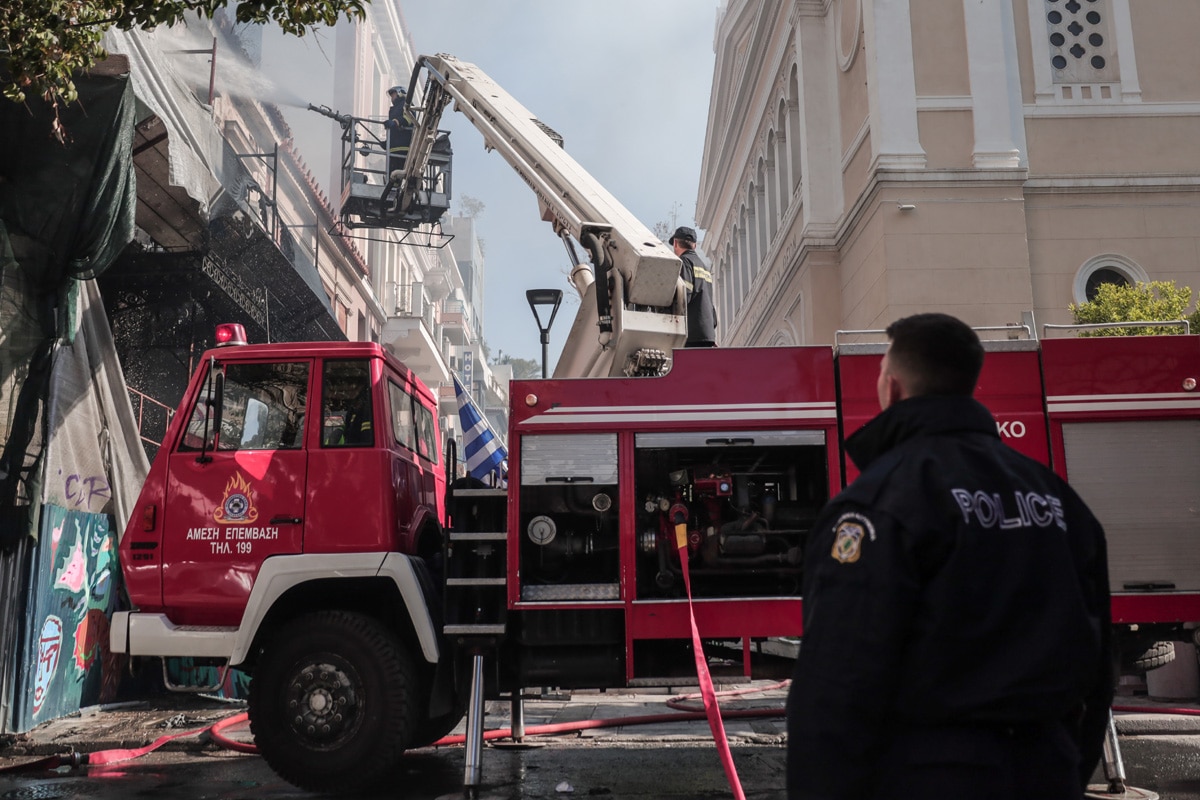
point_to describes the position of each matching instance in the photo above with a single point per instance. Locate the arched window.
(743, 245)
(1107, 268)
(752, 251)
(793, 132)
(773, 208)
(782, 160)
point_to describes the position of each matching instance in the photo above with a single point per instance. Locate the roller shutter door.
(1142, 480)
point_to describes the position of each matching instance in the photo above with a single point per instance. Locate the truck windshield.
(262, 409)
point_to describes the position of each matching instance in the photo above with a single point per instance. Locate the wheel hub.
(323, 703)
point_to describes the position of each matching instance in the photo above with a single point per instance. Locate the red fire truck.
(297, 523)
(291, 525)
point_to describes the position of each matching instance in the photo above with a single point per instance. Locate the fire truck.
(298, 522)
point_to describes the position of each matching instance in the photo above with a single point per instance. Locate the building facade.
(239, 210)
(868, 159)
(427, 307)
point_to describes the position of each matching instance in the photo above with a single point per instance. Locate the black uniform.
(956, 621)
(701, 315)
(400, 132)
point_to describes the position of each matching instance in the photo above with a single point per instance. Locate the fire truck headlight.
(541, 530)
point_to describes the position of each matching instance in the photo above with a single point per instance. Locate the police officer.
(956, 606)
(701, 315)
(400, 130)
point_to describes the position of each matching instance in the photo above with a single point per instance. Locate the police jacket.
(956, 582)
(701, 314)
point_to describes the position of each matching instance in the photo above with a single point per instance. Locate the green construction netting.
(66, 211)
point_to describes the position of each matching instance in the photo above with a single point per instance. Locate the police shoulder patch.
(849, 532)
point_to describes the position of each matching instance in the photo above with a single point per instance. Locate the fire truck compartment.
(570, 510)
(1115, 467)
(748, 500)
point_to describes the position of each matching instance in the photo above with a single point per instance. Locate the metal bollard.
(473, 770)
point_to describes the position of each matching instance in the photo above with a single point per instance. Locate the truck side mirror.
(215, 380)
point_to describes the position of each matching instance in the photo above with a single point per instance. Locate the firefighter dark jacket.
(956, 582)
(701, 313)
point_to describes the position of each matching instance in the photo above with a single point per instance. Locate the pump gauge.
(541, 530)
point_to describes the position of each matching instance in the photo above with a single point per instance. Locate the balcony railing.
(152, 418)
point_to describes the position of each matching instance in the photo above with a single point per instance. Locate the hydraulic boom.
(632, 312)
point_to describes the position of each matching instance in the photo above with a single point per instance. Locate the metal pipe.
(275, 193)
(1114, 768)
(212, 75)
(518, 715)
(473, 769)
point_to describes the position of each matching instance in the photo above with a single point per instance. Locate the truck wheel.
(333, 701)
(431, 730)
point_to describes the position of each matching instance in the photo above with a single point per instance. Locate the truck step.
(572, 591)
(481, 493)
(460, 536)
(474, 629)
(476, 581)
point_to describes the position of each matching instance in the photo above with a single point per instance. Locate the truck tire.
(1156, 655)
(333, 701)
(431, 730)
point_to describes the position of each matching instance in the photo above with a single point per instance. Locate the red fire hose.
(217, 731)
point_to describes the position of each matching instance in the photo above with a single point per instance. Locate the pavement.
(618, 716)
(624, 716)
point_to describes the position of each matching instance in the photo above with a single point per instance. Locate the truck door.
(235, 489)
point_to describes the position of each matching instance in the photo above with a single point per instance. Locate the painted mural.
(73, 592)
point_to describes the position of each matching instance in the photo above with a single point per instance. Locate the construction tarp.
(197, 149)
(69, 468)
(66, 212)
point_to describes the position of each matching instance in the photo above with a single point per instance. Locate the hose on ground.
(216, 731)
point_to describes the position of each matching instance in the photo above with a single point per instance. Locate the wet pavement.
(663, 758)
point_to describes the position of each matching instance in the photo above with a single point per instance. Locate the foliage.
(470, 207)
(523, 368)
(44, 42)
(1160, 301)
(662, 230)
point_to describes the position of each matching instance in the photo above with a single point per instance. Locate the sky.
(625, 82)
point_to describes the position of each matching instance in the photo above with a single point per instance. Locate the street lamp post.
(548, 300)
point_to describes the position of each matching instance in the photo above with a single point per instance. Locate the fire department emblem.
(237, 506)
(848, 537)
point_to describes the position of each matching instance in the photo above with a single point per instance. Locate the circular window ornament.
(1108, 268)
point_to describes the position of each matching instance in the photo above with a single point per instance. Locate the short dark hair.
(938, 354)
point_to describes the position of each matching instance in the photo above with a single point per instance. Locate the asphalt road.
(661, 771)
(1168, 765)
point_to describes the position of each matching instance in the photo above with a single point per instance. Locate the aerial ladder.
(632, 311)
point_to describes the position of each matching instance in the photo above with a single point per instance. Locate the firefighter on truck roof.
(701, 314)
(956, 604)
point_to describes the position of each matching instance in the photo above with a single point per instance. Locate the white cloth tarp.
(196, 147)
(94, 459)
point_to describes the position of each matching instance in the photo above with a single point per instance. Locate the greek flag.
(482, 451)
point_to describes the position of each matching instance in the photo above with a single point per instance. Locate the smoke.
(190, 47)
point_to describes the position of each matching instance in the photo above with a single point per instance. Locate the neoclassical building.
(868, 159)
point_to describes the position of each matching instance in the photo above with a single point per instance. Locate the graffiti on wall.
(72, 597)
